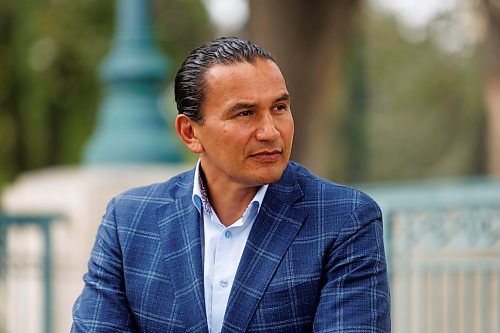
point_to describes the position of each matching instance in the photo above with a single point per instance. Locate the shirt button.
(228, 234)
(223, 283)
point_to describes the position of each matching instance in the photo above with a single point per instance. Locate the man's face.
(247, 133)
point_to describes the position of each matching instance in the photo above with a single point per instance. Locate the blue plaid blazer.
(314, 262)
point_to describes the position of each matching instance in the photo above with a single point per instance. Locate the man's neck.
(229, 201)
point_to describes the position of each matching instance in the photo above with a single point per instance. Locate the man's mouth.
(267, 155)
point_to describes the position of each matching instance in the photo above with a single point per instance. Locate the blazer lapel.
(272, 233)
(179, 224)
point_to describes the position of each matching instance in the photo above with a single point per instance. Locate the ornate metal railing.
(7, 262)
(443, 248)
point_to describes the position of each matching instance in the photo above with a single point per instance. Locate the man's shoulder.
(316, 188)
(158, 193)
(330, 206)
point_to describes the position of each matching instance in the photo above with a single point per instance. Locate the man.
(245, 242)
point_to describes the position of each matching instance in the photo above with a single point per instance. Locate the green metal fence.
(443, 248)
(43, 223)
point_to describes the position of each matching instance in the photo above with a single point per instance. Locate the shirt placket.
(223, 275)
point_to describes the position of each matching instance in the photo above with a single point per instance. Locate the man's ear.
(186, 131)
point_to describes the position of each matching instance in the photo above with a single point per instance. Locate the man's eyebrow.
(241, 105)
(283, 98)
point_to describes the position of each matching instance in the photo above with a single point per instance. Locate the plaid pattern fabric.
(314, 262)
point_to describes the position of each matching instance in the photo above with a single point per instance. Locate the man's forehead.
(258, 83)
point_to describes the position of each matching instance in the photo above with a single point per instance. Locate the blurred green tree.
(369, 103)
(50, 51)
(425, 113)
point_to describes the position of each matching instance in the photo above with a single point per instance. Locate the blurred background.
(399, 98)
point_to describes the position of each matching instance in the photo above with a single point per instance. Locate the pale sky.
(416, 13)
(232, 14)
(229, 16)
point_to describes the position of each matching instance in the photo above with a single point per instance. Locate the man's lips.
(267, 155)
(267, 152)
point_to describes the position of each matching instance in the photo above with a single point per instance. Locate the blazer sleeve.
(102, 305)
(355, 296)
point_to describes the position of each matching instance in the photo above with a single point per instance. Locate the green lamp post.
(131, 127)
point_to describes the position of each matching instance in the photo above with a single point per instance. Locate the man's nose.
(267, 130)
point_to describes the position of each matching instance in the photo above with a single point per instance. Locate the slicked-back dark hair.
(190, 84)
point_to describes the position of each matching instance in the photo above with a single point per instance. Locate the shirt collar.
(201, 200)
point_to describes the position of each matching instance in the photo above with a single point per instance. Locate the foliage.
(411, 110)
(50, 51)
(425, 113)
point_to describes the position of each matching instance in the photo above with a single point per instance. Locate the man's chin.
(269, 175)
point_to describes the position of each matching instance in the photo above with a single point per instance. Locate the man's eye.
(280, 107)
(245, 113)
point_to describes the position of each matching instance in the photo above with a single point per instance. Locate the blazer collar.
(272, 233)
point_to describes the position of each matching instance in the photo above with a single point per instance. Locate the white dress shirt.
(222, 250)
